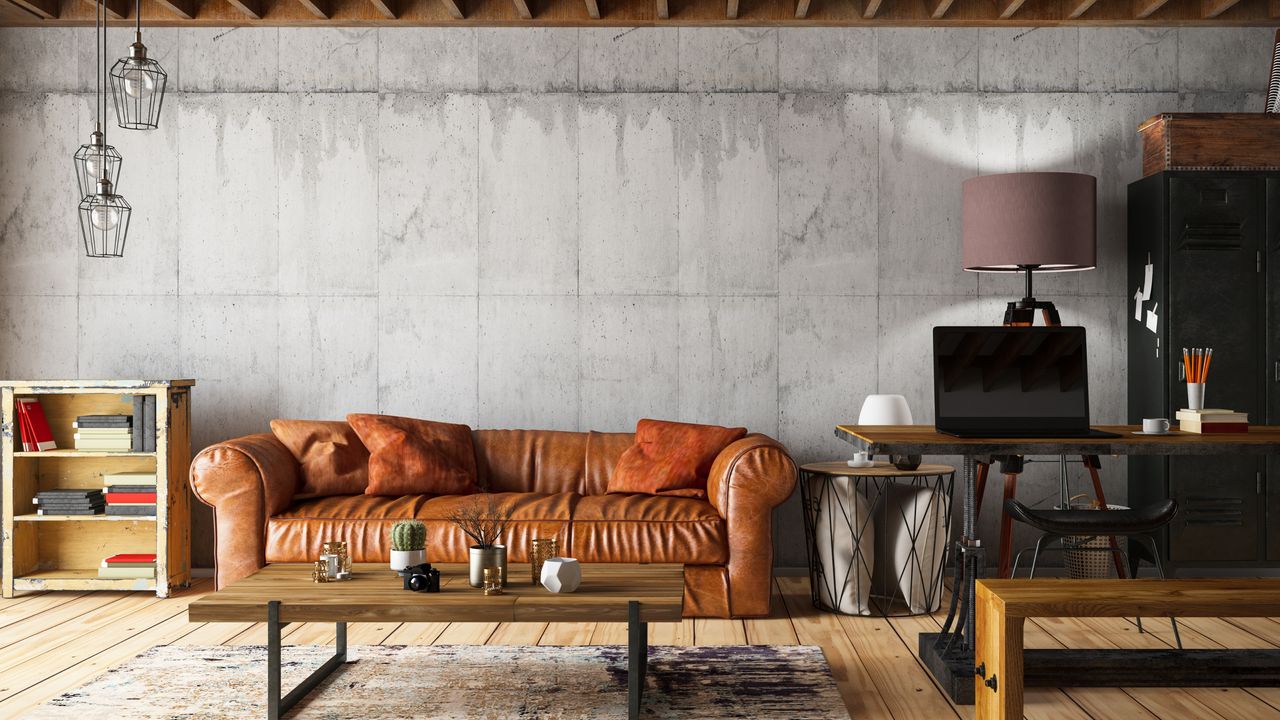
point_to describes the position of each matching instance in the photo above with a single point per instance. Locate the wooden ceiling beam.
(731, 9)
(1009, 8)
(116, 9)
(185, 9)
(1079, 7)
(871, 8)
(1214, 8)
(938, 8)
(319, 8)
(454, 8)
(522, 9)
(385, 8)
(802, 9)
(593, 9)
(1144, 8)
(44, 9)
(251, 9)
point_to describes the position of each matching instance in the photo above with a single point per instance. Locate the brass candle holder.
(541, 550)
(338, 548)
(320, 573)
(493, 581)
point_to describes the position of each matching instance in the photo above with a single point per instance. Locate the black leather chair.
(1137, 523)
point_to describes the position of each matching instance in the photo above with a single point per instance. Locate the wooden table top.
(1195, 597)
(926, 440)
(879, 469)
(376, 594)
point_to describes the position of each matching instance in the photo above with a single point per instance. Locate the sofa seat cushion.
(365, 521)
(648, 528)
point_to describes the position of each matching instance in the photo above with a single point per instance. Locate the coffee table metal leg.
(637, 659)
(276, 705)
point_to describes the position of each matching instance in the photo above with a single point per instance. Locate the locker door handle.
(1276, 374)
(1182, 370)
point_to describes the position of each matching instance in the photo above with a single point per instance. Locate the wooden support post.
(185, 9)
(593, 9)
(871, 8)
(731, 9)
(1079, 7)
(1008, 8)
(938, 8)
(1144, 8)
(45, 9)
(454, 8)
(522, 8)
(998, 653)
(1006, 527)
(664, 9)
(802, 9)
(319, 8)
(385, 8)
(1214, 8)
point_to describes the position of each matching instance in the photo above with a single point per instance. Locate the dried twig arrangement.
(484, 523)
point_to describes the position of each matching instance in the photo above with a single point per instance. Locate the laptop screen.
(1012, 379)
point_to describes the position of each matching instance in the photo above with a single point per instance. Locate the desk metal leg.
(949, 654)
(637, 659)
(276, 705)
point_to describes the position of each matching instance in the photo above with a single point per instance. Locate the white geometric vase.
(561, 575)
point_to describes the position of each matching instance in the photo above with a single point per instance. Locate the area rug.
(466, 681)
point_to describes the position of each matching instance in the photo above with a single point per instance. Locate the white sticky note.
(1137, 305)
(1147, 273)
(1153, 320)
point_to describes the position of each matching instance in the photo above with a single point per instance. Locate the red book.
(131, 498)
(28, 441)
(130, 558)
(41, 435)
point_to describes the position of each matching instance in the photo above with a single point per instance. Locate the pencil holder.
(1195, 396)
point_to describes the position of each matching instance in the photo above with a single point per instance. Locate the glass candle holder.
(541, 550)
(493, 581)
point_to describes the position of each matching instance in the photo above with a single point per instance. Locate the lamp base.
(1022, 313)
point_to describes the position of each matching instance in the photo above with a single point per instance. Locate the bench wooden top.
(376, 594)
(1209, 597)
(926, 440)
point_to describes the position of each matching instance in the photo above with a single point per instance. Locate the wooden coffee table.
(284, 593)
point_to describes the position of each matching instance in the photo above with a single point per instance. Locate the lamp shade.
(885, 410)
(1046, 221)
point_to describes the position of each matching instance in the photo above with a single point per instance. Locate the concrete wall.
(563, 228)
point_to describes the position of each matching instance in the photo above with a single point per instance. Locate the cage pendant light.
(137, 83)
(104, 214)
(96, 159)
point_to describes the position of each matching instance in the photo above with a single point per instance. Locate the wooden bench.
(1004, 667)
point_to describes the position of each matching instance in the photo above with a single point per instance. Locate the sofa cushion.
(416, 457)
(365, 521)
(648, 528)
(331, 457)
(671, 458)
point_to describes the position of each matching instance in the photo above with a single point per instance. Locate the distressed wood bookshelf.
(63, 552)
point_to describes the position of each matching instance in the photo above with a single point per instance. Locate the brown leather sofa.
(557, 483)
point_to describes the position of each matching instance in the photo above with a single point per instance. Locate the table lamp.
(1030, 222)
(889, 410)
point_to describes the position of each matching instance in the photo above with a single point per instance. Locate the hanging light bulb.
(104, 222)
(96, 160)
(137, 83)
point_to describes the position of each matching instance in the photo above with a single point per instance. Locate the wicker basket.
(1086, 563)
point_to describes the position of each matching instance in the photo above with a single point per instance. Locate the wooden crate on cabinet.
(63, 552)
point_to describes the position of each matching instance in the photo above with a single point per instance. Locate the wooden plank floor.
(52, 642)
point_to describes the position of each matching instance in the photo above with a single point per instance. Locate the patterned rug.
(465, 681)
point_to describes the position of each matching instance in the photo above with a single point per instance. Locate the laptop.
(1015, 382)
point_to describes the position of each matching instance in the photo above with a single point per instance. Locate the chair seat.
(1095, 522)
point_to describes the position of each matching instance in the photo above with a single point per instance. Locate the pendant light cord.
(137, 17)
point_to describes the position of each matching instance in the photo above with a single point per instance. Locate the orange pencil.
(1186, 363)
(1207, 359)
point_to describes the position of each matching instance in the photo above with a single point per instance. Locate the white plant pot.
(561, 575)
(401, 559)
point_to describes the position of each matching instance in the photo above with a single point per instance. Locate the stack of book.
(1211, 421)
(69, 502)
(104, 433)
(128, 566)
(130, 493)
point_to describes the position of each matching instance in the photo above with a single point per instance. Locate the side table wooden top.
(880, 469)
(376, 594)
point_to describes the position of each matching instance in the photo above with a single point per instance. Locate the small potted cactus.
(408, 545)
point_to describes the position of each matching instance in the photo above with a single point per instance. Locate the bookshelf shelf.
(81, 454)
(63, 552)
(32, 517)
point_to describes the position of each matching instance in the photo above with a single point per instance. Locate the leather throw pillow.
(333, 460)
(671, 458)
(416, 457)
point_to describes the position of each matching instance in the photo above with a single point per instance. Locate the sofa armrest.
(245, 481)
(748, 480)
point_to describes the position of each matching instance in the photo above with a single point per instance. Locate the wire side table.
(849, 511)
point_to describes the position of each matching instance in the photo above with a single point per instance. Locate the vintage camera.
(422, 578)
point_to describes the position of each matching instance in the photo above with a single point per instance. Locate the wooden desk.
(949, 654)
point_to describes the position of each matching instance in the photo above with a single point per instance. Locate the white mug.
(860, 460)
(1155, 426)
